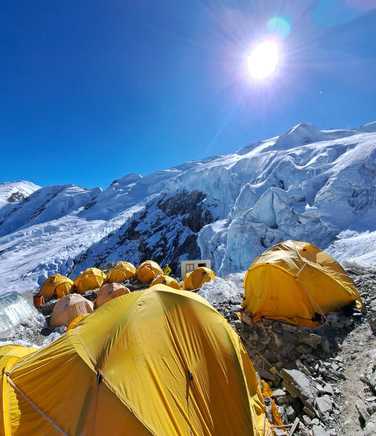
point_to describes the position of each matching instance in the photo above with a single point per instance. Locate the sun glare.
(263, 60)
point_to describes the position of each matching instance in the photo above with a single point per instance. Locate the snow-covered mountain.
(310, 184)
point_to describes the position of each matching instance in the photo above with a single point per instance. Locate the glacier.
(310, 184)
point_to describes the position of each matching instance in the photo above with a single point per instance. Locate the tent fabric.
(74, 323)
(148, 271)
(9, 356)
(153, 362)
(295, 281)
(120, 272)
(68, 308)
(57, 286)
(91, 278)
(166, 280)
(109, 291)
(199, 276)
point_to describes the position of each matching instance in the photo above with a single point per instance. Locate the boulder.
(299, 386)
(324, 405)
(311, 339)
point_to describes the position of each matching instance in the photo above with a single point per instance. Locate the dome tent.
(199, 276)
(10, 355)
(120, 272)
(91, 278)
(57, 286)
(107, 376)
(166, 280)
(68, 308)
(110, 291)
(148, 271)
(295, 281)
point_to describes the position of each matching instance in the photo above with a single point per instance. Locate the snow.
(307, 184)
(13, 192)
(222, 290)
(353, 248)
(28, 256)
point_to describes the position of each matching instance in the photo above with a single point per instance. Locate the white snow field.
(308, 184)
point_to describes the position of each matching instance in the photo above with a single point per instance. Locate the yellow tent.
(91, 278)
(120, 272)
(154, 362)
(196, 278)
(166, 280)
(148, 271)
(295, 281)
(9, 356)
(56, 285)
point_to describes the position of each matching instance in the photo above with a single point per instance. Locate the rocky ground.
(323, 379)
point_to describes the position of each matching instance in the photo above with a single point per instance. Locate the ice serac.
(307, 184)
(14, 310)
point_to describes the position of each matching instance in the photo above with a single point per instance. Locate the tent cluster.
(158, 361)
(100, 287)
(297, 283)
(148, 272)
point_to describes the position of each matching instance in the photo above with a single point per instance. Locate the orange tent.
(148, 271)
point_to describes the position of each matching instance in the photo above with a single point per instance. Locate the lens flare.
(279, 26)
(263, 60)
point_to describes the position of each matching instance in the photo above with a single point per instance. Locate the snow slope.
(15, 192)
(308, 184)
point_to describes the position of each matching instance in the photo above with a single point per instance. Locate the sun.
(263, 60)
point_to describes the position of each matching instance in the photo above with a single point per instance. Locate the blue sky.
(92, 90)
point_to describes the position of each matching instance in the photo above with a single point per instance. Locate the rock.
(268, 375)
(370, 373)
(324, 405)
(371, 408)
(313, 340)
(309, 412)
(325, 345)
(303, 430)
(306, 420)
(326, 389)
(290, 413)
(299, 385)
(317, 430)
(302, 349)
(363, 413)
(370, 428)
